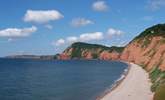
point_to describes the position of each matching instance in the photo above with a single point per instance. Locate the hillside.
(81, 50)
(148, 50)
(156, 30)
(42, 57)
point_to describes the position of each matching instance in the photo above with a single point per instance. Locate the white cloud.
(16, 32)
(156, 4)
(48, 26)
(42, 16)
(78, 22)
(111, 32)
(59, 42)
(72, 39)
(100, 6)
(91, 36)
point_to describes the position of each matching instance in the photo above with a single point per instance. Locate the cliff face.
(148, 53)
(147, 49)
(81, 50)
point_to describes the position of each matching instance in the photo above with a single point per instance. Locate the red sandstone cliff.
(148, 49)
(150, 56)
(81, 50)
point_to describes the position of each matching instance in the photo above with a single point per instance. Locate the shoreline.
(117, 82)
(121, 89)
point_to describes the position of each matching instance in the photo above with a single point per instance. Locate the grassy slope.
(79, 47)
(157, 30)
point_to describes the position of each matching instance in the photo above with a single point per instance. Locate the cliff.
(81, 50)
(148, 50)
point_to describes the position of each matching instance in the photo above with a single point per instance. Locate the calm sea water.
(56, 80)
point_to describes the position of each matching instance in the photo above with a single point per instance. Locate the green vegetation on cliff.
(157, 30)
(160, 93)
(144, 37)
(83, 45)
(157, 77)
(95, 49)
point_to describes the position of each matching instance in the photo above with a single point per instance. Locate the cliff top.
(156, 30)
(95, 46)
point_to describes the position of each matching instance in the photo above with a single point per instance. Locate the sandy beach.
(135, 86)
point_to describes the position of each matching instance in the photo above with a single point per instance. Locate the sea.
(29, 79)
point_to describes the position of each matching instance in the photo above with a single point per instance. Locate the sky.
(47, 27)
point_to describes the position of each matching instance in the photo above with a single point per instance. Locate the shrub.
(157, 77)
(160, 93)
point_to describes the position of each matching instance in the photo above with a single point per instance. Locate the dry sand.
(135, 86)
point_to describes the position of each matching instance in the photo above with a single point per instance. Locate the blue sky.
(48, 26)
